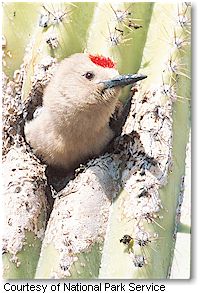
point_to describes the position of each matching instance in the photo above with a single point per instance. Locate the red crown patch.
(102, 61)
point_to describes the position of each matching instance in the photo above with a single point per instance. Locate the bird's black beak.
(122, 80)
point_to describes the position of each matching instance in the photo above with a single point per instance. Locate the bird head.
(85, 79)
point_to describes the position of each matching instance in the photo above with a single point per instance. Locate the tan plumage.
(74, 122)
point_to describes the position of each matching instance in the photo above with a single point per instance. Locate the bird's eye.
(89, 75)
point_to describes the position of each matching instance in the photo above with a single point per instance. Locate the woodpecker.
(78, 103)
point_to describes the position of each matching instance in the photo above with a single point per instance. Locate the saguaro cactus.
(119, 216)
